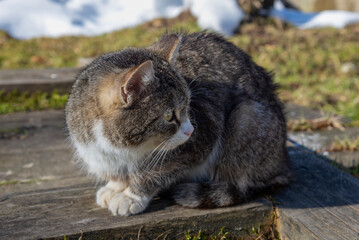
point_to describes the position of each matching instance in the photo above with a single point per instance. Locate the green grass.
(65, 51)
(354, 171)
(202, 235)
(306, 63)
(8, 182)
(351, 170)
(15, 101)
(14, 181)
(255, 233)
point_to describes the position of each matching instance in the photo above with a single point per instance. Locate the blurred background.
(311, 47)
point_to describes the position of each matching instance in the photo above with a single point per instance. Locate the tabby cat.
(192, 113)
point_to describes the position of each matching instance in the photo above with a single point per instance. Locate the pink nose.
(188, 132)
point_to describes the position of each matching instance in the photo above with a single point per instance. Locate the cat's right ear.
(167, 47)
(136, 82)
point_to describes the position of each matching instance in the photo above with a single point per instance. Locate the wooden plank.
(36, 119)
(33, 80)
(40, 158)
(321, 203)
(70, 211)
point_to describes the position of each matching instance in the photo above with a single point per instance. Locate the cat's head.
(132, 98)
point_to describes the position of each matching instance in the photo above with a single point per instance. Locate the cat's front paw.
(124, 205)
(104, 196)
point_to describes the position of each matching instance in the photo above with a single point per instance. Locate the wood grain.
(70, 211)
(321, 203)
(32, 80)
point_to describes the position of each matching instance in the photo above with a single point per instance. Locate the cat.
(191, 113)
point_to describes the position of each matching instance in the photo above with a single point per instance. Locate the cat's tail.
(206, 195)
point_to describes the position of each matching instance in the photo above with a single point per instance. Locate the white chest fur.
(103, 160)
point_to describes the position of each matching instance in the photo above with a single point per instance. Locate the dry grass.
(346, 144)
(322, 123)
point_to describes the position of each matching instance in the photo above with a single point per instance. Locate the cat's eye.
(168, 115)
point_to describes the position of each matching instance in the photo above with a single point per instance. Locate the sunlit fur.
(191, 113)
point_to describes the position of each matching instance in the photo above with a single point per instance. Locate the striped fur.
(192, 113)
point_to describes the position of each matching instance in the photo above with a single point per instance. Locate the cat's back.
(210, 57)
(209, 53)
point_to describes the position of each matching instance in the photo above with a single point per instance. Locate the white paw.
(104, 196)
(124, 205)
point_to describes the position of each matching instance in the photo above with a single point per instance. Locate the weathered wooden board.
(64, 202)
(321, 203)
(33, 80)
(38, 157)
(71, 211)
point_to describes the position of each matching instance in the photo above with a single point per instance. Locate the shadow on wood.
(321, 203)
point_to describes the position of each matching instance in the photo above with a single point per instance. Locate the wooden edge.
(32, 80)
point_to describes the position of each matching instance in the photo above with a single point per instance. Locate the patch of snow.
(219, 15)
(54, 18)
(27, 19)
(328, 18)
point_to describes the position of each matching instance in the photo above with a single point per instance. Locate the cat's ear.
(136, 82)
(167, 47)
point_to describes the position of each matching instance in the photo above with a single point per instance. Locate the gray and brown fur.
(238, 144)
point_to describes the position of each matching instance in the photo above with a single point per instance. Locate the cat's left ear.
(167, 47)
(136, 82)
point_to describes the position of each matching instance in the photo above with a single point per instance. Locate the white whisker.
(194, 79)
(151, 153)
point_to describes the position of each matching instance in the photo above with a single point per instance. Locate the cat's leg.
(142, 188)
(105, 194)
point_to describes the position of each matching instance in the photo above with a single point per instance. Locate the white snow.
(328, 18)
(34, 18)
(221, 16)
